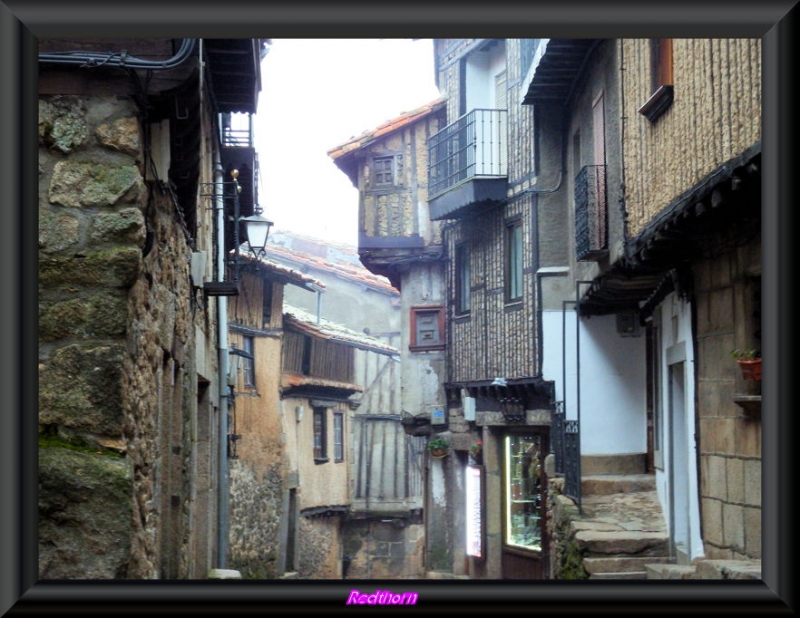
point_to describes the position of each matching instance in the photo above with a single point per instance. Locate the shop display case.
(524, 491)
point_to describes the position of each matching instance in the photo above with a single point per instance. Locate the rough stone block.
(95, 185)
(113, 268)
(62, 123)
(58, 231)
(81, 389)
(102, 316)
(85, 511)
(121, 135)
(733, 525)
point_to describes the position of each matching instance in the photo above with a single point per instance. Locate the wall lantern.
(513, 409)
(257, 229)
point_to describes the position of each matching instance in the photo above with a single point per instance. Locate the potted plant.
(749, 362)
(476, 452)
(439, 447)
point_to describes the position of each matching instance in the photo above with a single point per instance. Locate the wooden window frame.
(662, 80)
(414, 344)
(394, 161)
(514, 280)
(320, 429)
(248, 361)
(338, 437)
(463, 276)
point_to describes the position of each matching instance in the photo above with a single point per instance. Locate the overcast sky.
(316, 94)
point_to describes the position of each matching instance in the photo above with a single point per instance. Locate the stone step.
(605, 484)
(728, 569)
(623, 542)
(670, 571)
(622, 575)
(622, 564)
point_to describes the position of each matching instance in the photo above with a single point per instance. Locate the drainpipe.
(224, 391)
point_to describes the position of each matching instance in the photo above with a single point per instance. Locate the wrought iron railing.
(565, 442)
(591, 213)
(572, 461)
(471, 147)
(237, 138)
(557, 436)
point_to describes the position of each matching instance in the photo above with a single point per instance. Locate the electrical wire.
(119, 59)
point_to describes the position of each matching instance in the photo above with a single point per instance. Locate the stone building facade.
(398, 240)
(383, 534)
(676, 268)
(130, 395)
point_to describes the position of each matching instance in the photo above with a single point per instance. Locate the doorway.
(680, 537)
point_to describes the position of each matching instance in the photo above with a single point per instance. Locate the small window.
(661, 79)
(266, 307)
(462, 279)
(514, 260)
(320, 435)
(427, 328)
(248, 362)
(338, 437)
(387, 171)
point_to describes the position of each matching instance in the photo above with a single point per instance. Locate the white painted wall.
(482, 67)
(613, 410)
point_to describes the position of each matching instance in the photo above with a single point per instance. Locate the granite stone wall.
(117, 381)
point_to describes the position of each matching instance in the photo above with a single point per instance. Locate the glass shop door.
(525, 488)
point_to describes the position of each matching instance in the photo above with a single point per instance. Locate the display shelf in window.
(523, 474)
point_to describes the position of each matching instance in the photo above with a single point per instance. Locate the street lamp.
(257, 228)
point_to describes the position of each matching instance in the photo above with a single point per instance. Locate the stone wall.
(117, 375)
(255, 517)
(319, 548)
(91, 232)
(388, 549)
(728, 316)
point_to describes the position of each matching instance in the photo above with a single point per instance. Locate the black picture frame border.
(22, 21)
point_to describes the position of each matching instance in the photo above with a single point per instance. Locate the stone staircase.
(621, 530)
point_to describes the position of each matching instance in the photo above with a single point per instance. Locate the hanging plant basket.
(439, 447)
(751, 369)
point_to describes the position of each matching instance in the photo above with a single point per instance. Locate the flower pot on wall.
(751, 369)
(439, 452)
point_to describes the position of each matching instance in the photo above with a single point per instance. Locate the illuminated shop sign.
(474, 491)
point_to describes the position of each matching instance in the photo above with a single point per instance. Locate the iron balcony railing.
(473, 146)
(591, 213)
(237, 138)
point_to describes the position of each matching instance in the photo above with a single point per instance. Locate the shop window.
(525, 491)
(427, 328)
